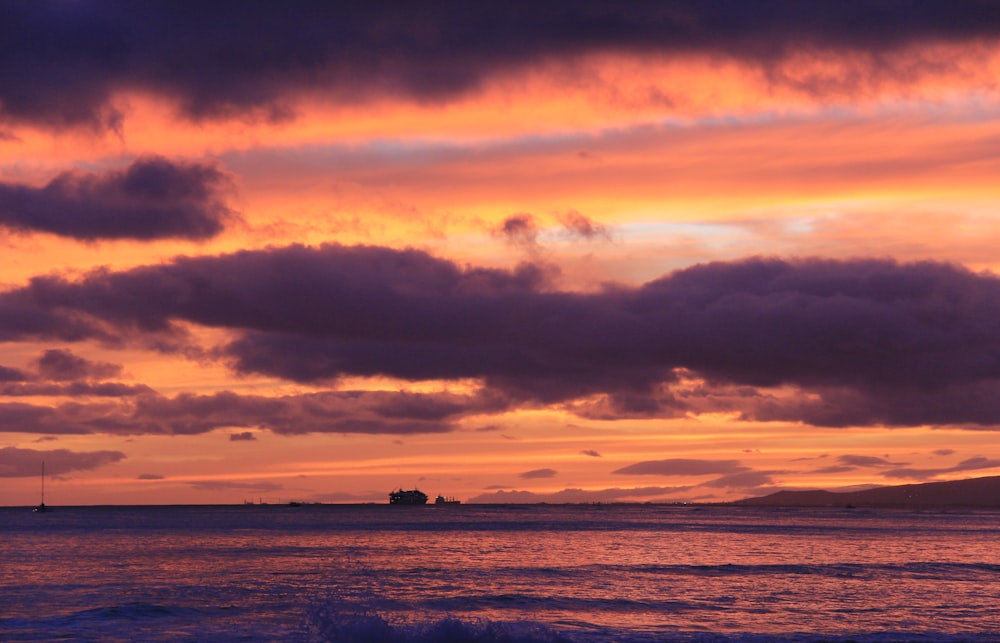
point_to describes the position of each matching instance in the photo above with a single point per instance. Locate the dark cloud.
(12, 375)
(592, 453)
(74, 389)
(683, 467)
(152, 198)
(60, 372)
(63, 63)
(189, 414)
(743, 480)
(20, 463)
(149, 476)
(245, 436)
(62, 365)
(534, 474)
(871, 342)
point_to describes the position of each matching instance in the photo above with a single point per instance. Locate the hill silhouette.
(973, 492)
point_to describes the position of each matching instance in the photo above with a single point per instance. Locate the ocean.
(498, 573)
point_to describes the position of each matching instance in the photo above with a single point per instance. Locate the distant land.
(974, 492)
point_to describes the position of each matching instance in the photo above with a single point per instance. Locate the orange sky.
(603, 169)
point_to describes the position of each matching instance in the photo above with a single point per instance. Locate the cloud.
(519, 230)
(191, 414)
(836, 468)
(578, 225)
(20, 463)
(149, 476)
(970, 464)
(74, 389)
(82, 56)
(866, 461)
(245, 436)
(682, 467)
(534, 474)
(637, 494)
(153, 198)
(59, 372)
(742, 480)
(62, 365)
(12, 374)
(849, 342)
(592, 453)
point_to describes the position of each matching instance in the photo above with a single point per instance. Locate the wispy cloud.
(683, 467)
(535, 474)
(971, 464)
(18, 463)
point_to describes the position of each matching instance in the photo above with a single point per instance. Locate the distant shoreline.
(971, 493)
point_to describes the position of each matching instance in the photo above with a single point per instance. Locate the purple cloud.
(867, 461)
(245, 436)
(81, 56)
(970, 464)
(20, 463)
(535, 474)
(74, 389)
(836, 468)
(743, 480)
(152, 198)
(62, 365)
(682, 467)
(12, 375)
(870, 342)
(190, 414)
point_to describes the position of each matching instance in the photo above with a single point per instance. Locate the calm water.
(498, 573)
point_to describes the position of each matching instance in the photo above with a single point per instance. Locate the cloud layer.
(859, 342)
(239, 58)
(19, 463)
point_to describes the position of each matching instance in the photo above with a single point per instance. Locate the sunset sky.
(508, 252)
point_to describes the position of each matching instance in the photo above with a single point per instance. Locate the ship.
(449, 500)
(42, 508)
(407, 497)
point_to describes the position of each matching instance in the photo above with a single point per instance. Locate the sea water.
(515, 573)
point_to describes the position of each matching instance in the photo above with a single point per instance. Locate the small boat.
(449, 500)
(41, 508)
(407, 497)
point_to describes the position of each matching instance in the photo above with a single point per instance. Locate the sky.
(589, 251)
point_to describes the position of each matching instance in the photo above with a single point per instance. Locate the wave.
(930, 570)
(335, 627)
(332, 622)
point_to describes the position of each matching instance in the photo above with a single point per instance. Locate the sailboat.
(42, 508)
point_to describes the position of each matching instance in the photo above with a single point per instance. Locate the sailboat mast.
(43, 482)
